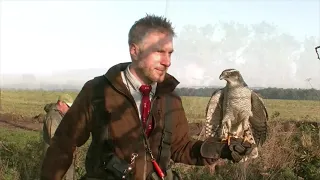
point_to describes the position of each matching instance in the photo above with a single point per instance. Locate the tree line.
(267, 93)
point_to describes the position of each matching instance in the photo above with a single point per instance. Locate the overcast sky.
(70, 35)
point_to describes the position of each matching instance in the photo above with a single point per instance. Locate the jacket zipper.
(137, 113)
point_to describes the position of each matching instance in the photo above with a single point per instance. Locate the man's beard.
(149, 74)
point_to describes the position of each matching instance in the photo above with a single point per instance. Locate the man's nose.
(166, 61)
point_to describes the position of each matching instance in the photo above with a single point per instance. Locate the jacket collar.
(114, 76)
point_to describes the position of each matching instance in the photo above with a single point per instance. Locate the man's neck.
(134, 81)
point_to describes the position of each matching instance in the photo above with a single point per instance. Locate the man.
(123, 143)
(55, 113)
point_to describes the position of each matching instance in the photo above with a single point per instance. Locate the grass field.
(289, 152)
(30, 103)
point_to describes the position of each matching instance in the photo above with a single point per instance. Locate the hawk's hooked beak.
(222, 77)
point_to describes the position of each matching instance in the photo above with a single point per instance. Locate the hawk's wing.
(214, 113)
(259, 119)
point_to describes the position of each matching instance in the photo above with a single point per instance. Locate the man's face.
(63, 107)
(153, 56)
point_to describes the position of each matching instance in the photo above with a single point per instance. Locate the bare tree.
(308, 80)
(317, 51)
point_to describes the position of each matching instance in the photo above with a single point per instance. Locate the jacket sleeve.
(185, 149)
(73, 131)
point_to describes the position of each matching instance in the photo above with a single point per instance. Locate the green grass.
(31, 103)
(20, 154)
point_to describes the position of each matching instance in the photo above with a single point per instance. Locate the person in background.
(54, 114)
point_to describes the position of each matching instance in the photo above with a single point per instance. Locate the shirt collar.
(135, 83)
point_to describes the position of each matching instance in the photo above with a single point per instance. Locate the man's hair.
(149, 23)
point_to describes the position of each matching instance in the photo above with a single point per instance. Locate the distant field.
(31, 103)
(27, 103)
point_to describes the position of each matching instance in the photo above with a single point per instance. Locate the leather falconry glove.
(213, 148)
(238, 149)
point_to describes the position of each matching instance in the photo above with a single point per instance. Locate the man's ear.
(134, 51)
(59, 102)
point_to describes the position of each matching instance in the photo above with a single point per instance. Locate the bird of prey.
(236, 111)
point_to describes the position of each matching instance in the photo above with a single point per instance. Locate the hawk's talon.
(246, 139)
(227, 140)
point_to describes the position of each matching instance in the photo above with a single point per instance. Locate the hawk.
(236, 111)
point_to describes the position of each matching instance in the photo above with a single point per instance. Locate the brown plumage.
(235, 110)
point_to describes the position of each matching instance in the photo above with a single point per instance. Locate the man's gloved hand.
(237, 149)
(214, 148)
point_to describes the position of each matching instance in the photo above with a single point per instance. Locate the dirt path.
(20, 125)
(13, 121)
(18, 122)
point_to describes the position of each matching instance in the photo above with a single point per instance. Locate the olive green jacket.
(51, 122)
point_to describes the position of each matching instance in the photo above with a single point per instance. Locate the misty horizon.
(74, 79)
